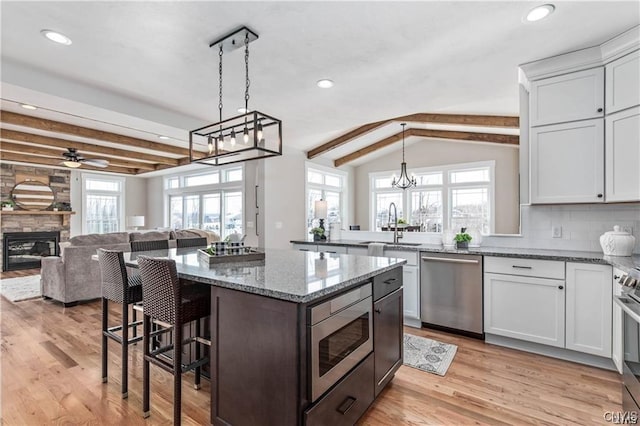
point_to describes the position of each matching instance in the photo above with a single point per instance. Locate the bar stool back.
(191, 242)
(121, 288)
(167, 301)
(149, 245)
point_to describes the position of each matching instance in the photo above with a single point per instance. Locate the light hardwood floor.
(51, 375)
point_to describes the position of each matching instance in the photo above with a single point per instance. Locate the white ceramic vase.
(617, 242)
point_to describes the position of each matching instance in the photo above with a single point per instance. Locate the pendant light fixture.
(403, 182)
(260, 134)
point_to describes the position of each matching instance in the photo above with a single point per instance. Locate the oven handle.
(624, 306)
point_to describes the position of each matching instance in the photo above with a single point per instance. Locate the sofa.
(74, 276)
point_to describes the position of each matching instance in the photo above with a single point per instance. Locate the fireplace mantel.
(64, 215)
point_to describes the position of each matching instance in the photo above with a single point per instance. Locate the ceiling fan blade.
(95, 162)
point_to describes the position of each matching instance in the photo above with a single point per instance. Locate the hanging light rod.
(234, 40)
(404, 181)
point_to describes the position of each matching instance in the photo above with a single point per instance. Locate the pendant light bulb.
(210, 145)
(259, 131)
(245, 135)
(221, 141)
(233, 137)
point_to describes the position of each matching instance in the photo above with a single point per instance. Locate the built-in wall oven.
(629, 302)
(341, 335)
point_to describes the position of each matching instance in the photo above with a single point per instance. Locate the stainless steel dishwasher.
(451, 292)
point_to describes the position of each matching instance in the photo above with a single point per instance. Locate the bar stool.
(149, 245)
(191, 242)
(121, 288)
(173, 305)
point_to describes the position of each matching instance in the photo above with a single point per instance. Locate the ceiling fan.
(73, 159)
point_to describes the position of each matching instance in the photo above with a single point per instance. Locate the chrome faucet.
(396, 237)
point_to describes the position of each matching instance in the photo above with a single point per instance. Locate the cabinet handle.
(561, 287)
(599, 195)
(521, 267)
(616, 277)
(389, 281)
(304, 249)
(600, 110)
(346, 405)
(378, 311)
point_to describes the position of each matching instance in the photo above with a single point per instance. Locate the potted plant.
(56, 206)
(318, 234)
(8, 205)
(462, 239)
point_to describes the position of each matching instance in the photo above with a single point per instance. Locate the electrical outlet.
(628, 229)
(556, 232)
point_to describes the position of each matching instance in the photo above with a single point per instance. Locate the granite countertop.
(623, 263)
(294, 276)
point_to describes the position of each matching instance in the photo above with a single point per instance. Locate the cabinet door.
(589, 304)
(567, 163)
(524, 308)
(568, 97)
(411, 291)
(622, 82)
(387, 337)
(623, 155)
(359, 251)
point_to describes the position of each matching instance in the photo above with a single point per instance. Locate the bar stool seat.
(167, 302)
(118, 287)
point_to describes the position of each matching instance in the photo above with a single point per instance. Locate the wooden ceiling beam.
(85, 132)
(452, 119)
(14, 135)
(57, 154)
(429, 133)
(33, 159)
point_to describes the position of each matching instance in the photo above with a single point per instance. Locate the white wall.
(155, 203)
(434, 152)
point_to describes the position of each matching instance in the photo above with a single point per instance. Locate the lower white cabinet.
(411, 291)
(588, 308)
(524, 308)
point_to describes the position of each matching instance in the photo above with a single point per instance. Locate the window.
(103, 204)
(211, 201)
(447, 197)
(326, 184)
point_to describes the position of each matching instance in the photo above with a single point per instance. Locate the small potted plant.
(462, 239)
(56, 206)
(318, 234)
(8, 205)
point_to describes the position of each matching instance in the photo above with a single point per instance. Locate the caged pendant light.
(404, 181)
(250, 136)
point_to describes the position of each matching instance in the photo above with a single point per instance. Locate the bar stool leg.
(146, 329)
(125, 350)
(105, 348)
(135, 319)
(177, 373)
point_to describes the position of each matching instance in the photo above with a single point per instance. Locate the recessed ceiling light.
(242, 110)
(540, 12)
(164, 138)
(27, 106)
(56, 37)
(325, 83)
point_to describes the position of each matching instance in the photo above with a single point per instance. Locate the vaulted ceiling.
(144, 69)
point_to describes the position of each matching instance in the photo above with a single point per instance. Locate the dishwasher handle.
(449, 260)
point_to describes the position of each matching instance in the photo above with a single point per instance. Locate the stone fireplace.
(36, 222)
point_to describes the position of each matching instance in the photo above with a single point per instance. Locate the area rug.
(428, 355)
(21, 288)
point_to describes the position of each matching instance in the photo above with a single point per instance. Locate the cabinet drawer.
(410, 256)
(386, 283)
(332, 249)
(348, 401)
(525, 267)
(305, 247)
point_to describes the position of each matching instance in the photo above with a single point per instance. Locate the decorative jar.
(617, 242)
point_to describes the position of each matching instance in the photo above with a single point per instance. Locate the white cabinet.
(326, 248)
(567, 163)
(617, 320)
(623, 83)
(411, 291)
(568, 97)
(358, 251)
(622, 154)
(588, 308)
(524, 308)
(305, 247)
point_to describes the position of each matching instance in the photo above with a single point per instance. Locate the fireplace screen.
(23, 250)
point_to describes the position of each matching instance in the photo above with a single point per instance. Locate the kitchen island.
(272, 360)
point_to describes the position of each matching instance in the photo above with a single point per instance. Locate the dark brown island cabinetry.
(261, 357)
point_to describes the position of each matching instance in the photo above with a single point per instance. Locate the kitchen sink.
(391, 244)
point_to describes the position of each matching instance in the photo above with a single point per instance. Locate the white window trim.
(343, 190)
(122, 194)
(445, 169)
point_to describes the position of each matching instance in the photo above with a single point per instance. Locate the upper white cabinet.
(622, 135)
(567, 163)
(568, 97)
(623, 83)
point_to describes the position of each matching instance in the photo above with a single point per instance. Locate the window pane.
(429, 179)
(314, 177)
(464, 176)
(211, 213)
(233, 213)
(383, 182)
(470, 209)
(102, 185)
(192, 213)
(426, 210)
(102, 213)
(333, 206)
(383, 201)
(208, 179)
(314, 195)
(233, 175)
(173, 183)
(331, 180)
(175, 212)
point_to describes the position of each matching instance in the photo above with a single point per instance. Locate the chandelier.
(403, 182)
(250, 136)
